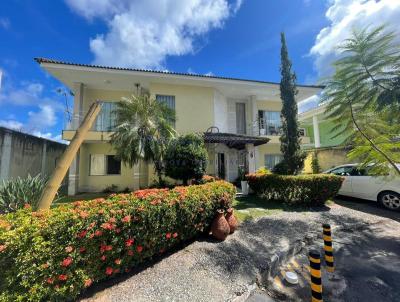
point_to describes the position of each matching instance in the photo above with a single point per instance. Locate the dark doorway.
(221, 165)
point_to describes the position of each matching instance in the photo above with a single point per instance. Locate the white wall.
(220, 111)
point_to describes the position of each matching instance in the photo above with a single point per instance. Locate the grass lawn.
(251, 207)
(81, 196)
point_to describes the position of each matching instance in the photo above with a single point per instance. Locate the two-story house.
(240, 120)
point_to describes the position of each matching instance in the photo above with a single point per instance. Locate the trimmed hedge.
(299, 189)
(55, 255)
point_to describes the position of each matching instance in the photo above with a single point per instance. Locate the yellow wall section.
(89, 183)
(194, 106)
(269, 105)
(266, 149)
(91, 95)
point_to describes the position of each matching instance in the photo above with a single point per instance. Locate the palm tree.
(144, 129)
(364, 96)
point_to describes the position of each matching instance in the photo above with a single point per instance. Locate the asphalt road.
(367, 258)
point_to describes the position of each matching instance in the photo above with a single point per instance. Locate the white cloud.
(42, 119)
(142, 33)
(344, 16)
(4, 23)
(12, 124)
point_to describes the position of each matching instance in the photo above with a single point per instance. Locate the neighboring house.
(240, 119)
(22, 154)
(330, 148)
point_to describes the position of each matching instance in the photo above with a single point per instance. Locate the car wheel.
(390, 200)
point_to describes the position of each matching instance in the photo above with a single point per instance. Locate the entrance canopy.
(236, 141)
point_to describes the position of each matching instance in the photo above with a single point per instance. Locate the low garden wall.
(300, 189)
(55, 255)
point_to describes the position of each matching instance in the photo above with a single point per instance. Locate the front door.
(221, 165)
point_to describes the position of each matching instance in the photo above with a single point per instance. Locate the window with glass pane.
(113, 165)
(106, 120)
(271, 160)
(168, 100)
(270, 122)
(240, 118)
(101, 164)
(97, 164)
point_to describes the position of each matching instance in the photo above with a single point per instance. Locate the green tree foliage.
(315, 164)
(363, 97)
(186, 158)
(144, 129)
(293, 157)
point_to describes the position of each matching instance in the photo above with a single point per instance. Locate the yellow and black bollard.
(328, 248)
(315, 271)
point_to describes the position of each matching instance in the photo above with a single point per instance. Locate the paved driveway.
(206, 270)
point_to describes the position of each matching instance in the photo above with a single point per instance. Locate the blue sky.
(229, 38)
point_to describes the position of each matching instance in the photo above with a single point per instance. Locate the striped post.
(315, 271)
(328, 248)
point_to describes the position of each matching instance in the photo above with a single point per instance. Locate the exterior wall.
(327, 138)
(327, 158)
(97, 183)
(220, 111)
(194, 106)
(23, 154)
(265, 149)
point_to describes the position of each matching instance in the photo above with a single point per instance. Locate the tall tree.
(144, 129)
(364, 97)
(293, 157)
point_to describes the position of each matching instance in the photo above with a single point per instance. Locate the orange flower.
(139, 248)
(2, 247)
(62, 277)
(175, 235)
(27, 206)
(88, 282)
(117, 261)
(168, 235)
(126, 219)
(69, 249)
(98, 233)
(107, 226)
(109, 271)
(50, 280)
(101, 211)
(66, 262)
(108, 247)
(82, 234)
(84, 214)
(112, 220)
(45, 265)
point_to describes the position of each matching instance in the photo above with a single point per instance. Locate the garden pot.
(245, 187)
(220, 228)
(231, 219)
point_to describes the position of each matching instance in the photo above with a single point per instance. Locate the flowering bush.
(301, 189)
(53, 255)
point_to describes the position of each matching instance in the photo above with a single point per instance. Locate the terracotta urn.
(231, 219)
(220, 228)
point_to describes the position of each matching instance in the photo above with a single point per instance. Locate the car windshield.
(343, 171)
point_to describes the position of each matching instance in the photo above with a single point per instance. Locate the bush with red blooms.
(54, 255)
(311, 190)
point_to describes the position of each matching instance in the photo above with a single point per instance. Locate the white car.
(357, 183)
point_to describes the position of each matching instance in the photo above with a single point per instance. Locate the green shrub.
(315, 164)
(54, 255)
(186, 158)
(300, 189)
(15, 193)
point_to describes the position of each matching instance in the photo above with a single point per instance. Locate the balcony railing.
(101, 124)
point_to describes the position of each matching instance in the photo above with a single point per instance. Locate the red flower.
(103, 258)
(116, 271)
(88, 282)
(62, 277)
(129, 242)
(175, 235)
(117, 261)
(92, 225)
(27, 206)
(117, 230)
(130, 253)
(82, 250)
(108, 247)
(98, 233)
(126, 219)
(139, 248)
(82, 234)
(66, 262)
(109, 271)
(69, 249)
(168, 235)
(112, 220)
(107, 226)
(127, 270)
(2, 247)
(50, 280)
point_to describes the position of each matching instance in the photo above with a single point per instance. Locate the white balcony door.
(240, 118)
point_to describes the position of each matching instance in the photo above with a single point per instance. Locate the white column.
(73, 177)
(251, 158)
(317, 141)
(5, 159)
(254, 116)
(78, 105)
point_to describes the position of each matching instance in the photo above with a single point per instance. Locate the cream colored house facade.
(240, 119)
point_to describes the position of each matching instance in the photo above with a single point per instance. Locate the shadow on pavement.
(366, 206)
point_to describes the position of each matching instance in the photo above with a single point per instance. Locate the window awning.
(237, 141)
